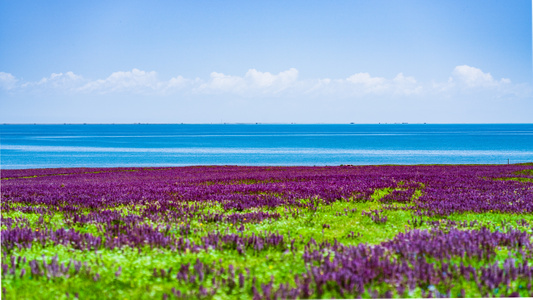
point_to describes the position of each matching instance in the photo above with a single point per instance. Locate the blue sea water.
(53, 146)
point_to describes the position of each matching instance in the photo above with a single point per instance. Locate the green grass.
(521, 179)
(343, 217)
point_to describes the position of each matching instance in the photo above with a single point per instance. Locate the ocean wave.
(272, 151)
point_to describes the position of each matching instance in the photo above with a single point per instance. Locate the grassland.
(283, 233)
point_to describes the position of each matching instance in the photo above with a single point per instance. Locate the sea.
(154, 145)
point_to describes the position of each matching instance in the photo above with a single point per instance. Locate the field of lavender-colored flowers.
(267, 232)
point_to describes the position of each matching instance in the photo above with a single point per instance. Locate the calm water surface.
(52, 146)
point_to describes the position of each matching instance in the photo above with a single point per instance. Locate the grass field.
(228, 232)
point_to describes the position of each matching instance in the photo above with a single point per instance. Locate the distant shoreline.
(260, 123)
(137, 168)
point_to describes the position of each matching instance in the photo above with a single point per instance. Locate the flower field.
(234, 232)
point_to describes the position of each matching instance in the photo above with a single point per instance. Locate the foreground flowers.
(268, 232)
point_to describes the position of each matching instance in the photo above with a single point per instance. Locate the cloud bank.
(257, 83)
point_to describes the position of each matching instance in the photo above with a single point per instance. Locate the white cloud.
(134, 81)
(366, 79)
(474, 77)
(223, 83)
(7, 81)
(471, 80)
(64, 82)
(364, 83)
(67, 80)
(252, 83)
(130, 81)
(178, 82)
(464, 79)
(267, 80)
(406, 85)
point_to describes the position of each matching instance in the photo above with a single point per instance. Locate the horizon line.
(266, 123)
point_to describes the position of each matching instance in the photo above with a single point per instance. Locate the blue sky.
(271, 61)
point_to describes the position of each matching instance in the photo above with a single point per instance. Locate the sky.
(266, 61)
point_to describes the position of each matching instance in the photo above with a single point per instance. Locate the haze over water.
(54, 146)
